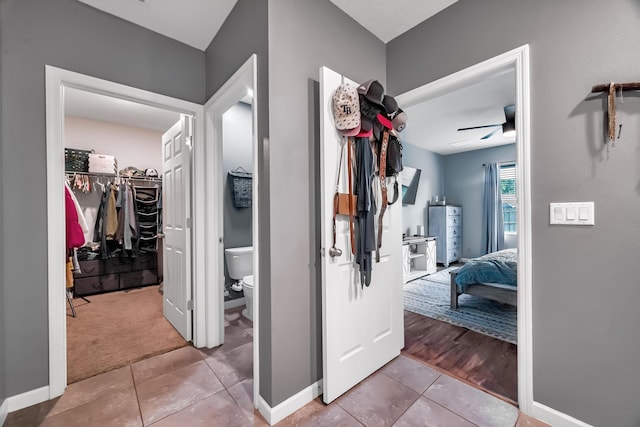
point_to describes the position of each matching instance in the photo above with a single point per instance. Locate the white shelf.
(415, 274)
(419, 257)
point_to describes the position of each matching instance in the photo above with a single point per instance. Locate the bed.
(492, 276)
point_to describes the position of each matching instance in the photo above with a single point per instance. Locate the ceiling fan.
(508, 127)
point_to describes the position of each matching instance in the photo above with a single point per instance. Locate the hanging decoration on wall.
(611, 89)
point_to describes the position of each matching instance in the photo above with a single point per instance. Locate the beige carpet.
(117, 329)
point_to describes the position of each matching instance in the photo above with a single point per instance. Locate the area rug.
(430, 296)
(117, 329)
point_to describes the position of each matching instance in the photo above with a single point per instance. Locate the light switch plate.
(574, 213)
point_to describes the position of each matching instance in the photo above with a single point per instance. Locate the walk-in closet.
(113, 176)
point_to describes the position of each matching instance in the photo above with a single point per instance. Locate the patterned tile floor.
(192, 387)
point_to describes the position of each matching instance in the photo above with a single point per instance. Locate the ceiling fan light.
(508, 129)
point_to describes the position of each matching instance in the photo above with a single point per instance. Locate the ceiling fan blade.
(480, 127)
(490, 134)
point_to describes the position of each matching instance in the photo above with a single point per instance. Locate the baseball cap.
(346, 108)
(373, 91)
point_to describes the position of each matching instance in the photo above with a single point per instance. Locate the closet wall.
(132, 146)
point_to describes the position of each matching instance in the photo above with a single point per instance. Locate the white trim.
(234, 90)
(518, 60)
(236, 302)
(289, 406)
(4, 410)
(28, 398)
(556, 418)
(56, 80)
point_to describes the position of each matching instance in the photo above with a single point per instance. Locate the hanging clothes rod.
(115, 176)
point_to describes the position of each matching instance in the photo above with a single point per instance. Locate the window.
(509, 199)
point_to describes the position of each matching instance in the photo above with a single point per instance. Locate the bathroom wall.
(236, 152)
(431, 182)
(464, 186)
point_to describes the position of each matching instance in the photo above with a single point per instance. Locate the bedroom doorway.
(443, 347)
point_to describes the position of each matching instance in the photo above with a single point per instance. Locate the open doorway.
(185, 299)
(232, 242)
(114, 153)
(476, 340)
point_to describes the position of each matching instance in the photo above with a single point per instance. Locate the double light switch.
(581, 213)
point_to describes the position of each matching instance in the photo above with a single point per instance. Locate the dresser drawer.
(96, 284)
(453, 210)
(92, 267)
(453, 254)
(453, 221)
(453, 242)
(145, 261)
(118, 265)
(139, 278)
(453, 232)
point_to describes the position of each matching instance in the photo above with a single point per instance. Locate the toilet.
(240, 267)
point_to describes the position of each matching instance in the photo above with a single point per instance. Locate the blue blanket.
(497, 267)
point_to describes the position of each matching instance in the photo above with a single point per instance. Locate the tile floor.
(193, 387)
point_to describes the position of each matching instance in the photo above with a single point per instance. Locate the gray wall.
(236, 152)
(585, 286)
(431, 183)
(3, 344)
(303, 35)
(464, 186)
(74, 36)
(244, 33)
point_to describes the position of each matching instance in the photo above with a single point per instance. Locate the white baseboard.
(556, 418)
(4, 410)
(237, 302)
(289, 406)
(28, 398)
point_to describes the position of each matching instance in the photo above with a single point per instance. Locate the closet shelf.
(113, 175)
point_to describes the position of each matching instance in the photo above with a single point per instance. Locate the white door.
(362, 329)
(176, 215)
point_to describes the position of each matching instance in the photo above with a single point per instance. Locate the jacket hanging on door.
(366, 241)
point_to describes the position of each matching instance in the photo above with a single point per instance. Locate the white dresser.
(418, 257)
(445, 223)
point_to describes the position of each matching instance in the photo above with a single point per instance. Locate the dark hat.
(400, 120)
(390, 105)
(368, 113)
(373, 91)
(395, 113)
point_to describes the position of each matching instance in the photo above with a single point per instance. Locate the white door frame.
(240, 86)
(518, 60)
(56, 80)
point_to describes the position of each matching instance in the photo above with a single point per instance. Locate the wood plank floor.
(475, 358)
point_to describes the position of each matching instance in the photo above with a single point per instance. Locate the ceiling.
(433, 124)
(387, 20)
(193, 22)
(200, 20)
(108, 109)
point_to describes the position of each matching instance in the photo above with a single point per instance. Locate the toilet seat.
(248, 281)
